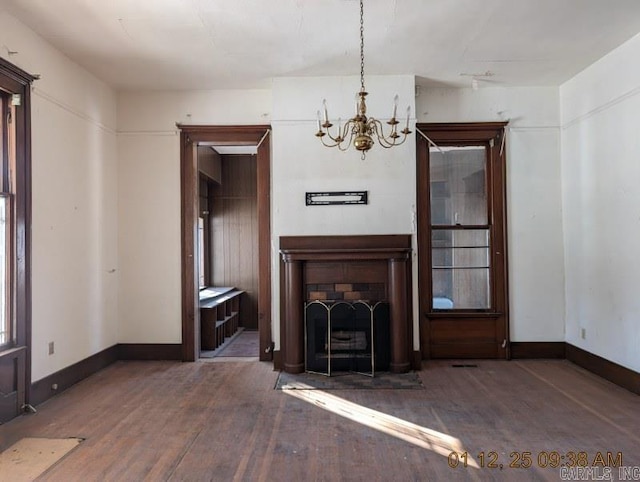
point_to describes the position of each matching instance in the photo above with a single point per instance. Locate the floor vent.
(464, 365)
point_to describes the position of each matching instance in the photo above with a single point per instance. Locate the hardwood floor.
(160, 421)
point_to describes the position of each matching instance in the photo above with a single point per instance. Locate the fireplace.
(348, 269)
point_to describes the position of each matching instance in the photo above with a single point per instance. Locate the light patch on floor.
(438, 442)
(30, 457)
(226, 359)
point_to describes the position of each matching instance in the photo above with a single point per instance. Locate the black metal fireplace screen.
(346, 336)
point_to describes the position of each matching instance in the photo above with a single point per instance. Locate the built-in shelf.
(219, 315)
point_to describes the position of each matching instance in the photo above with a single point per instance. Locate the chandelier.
(361, 130)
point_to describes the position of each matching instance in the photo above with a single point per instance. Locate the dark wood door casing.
(190, 136)
(491, 326)
(16, 357)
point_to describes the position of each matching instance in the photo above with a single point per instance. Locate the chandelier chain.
(360, 130)
(362, 45)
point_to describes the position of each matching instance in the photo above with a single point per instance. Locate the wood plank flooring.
(161, 421)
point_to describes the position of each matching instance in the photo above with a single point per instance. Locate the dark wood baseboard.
(538, 349)
(604, 368)
(416, 360)
(277, 360)
(43, 389)
(149, 351)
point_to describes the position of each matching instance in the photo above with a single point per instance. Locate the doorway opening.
(228, 250)
(226, 279)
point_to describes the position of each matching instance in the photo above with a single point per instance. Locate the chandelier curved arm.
(391, 140)
(338, 140)
(352, 133)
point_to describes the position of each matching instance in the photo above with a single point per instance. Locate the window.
(460, 254)
(205, 259)
(7, 187)
(5, 317)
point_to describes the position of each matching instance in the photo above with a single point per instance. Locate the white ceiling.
(209, 44)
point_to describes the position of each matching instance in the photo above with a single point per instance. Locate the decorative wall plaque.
(336, 198)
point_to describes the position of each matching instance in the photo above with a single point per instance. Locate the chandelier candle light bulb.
(361, 130)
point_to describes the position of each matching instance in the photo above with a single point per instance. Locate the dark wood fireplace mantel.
(376, 259)
(331, 254)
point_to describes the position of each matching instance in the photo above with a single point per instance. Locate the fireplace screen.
(346, 336)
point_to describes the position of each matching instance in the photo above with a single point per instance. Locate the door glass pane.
(201, 254)
(461, 262)
(4, 292)
(458, 188)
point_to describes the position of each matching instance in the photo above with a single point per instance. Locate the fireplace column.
(294, 317)
(398, 299)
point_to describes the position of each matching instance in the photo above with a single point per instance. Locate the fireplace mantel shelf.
(348, 253)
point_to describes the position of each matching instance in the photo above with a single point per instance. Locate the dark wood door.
(462, 241)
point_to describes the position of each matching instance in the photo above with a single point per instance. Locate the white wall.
(534, 208)
(149, 199)
(300, 163)
(601, 195)
(74, 192)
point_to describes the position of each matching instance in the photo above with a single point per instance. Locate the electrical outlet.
(583, 333)
(51, 348)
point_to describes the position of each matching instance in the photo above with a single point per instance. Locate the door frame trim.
(17, 81)
(250, 135)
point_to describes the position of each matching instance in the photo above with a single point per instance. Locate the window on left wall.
(201, 253)
(7, 188)
(5, 325)
(15, 239)
(204, 232)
